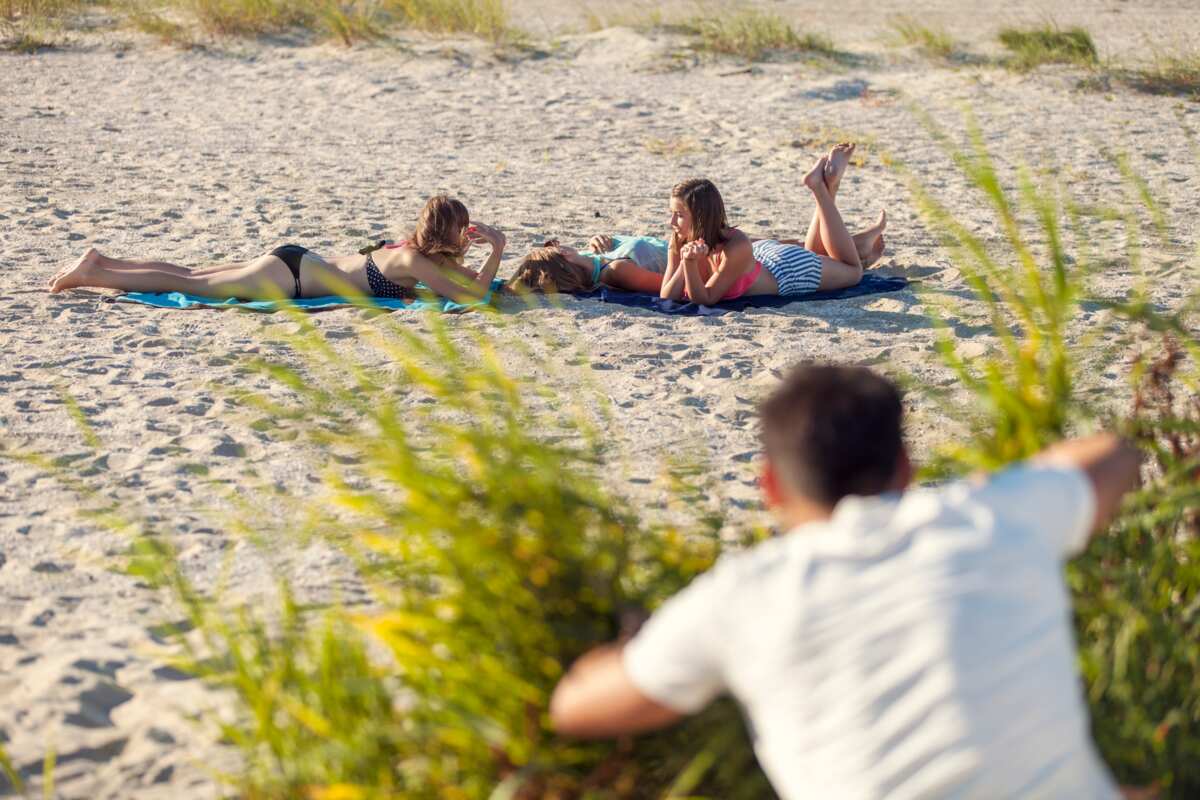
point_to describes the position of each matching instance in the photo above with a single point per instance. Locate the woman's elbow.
(566, 717)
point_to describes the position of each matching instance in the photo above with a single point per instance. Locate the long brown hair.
(548, 271)
(439, 230)
(707, 208)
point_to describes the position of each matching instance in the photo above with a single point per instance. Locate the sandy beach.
(221, 153)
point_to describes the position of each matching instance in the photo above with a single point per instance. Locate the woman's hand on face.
(694, 251)
(601, 243)
(479, 233)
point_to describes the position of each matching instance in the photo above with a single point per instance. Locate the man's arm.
(1112, 465)
(670, 668)
(597, 699)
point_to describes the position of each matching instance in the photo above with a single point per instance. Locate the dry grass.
(23, 42)
(348, 21)
(158, 26)
(250, 17)
(486, 18)
(1170, 73)
(675, 147)
(745, 33)
(27, 26)
(640, 20)
(930, 41)
(31, 10)
(753, 34)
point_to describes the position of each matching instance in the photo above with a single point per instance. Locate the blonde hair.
(439, 230)
(548, 271)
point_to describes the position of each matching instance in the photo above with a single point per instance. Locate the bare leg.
(264, 278)
(839, 160)
(836, 275)
(870, 243)
(94, 257)
(839, 244)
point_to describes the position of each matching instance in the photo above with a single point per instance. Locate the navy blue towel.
(870, 284)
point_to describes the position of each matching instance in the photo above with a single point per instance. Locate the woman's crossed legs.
(843, 256)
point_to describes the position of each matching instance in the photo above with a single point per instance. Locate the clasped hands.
(693, 252)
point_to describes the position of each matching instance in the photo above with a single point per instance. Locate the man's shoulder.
(761, 560)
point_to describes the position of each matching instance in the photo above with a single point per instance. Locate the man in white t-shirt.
(897, 643)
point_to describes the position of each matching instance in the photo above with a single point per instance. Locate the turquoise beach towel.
(180, 300)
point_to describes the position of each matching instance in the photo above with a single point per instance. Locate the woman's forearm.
(487, 273)
(672, 286)
(697, 290)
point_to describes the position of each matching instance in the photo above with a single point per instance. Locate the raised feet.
(835, 168)
(815, 179)
(871, 258)
(870, 242)
(77, 274)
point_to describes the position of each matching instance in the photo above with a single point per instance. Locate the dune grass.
(1032, 47)
(348, 21)
(9, 773)
(152, 22)
(674, 147)
(252, 17)
(486, 18)
(933, 42)
(27, 26)
(494, 557)
(638, 20)
(746, 33)
(1136, 589)
(1169, 73)
(752, 34)
(38, 10)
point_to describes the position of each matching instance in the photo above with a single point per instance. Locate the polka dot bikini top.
(382, 287)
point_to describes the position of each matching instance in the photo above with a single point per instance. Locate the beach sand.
(223, 153)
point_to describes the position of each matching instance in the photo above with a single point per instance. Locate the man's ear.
(771, 487)
(905, 471)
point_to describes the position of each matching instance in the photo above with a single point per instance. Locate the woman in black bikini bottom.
(442, 235)
(272, 276)
(291, 255)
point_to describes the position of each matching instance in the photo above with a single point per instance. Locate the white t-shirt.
(913, 646)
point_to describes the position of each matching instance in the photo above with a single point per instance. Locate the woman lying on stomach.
(432, 255)
(709, 261)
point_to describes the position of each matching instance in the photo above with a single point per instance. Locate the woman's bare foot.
(839, 159)
(869, 243)
(815, 179)
(76, 275)
(871, 258)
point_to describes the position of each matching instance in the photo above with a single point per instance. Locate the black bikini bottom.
(291, 254)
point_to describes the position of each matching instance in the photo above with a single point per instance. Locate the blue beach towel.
(870, 284)
(180, 300)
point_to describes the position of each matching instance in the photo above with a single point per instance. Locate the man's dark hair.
(833, 431)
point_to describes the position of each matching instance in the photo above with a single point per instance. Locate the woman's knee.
(838, 274)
